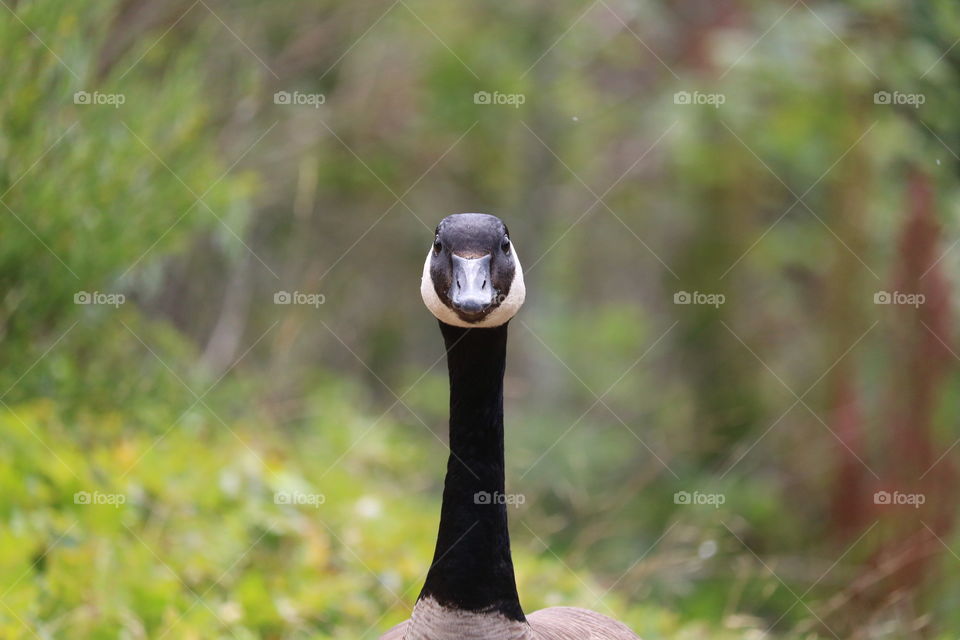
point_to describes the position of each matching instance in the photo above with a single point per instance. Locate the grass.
(211, 530)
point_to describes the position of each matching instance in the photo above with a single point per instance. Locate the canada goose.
(473, 284)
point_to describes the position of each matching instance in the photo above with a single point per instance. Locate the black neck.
(472, 569)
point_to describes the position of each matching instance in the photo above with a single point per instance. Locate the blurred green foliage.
(200, 401)
(197, 546)
(93, 194)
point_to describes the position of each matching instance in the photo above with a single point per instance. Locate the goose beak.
(471, 291)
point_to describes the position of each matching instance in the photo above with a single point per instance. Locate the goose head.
(472, 275)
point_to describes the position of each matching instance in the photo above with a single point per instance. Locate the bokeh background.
(732, 394)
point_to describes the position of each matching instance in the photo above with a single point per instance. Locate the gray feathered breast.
(555, 623)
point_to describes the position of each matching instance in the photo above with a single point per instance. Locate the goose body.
(555, 623)
(473, 284)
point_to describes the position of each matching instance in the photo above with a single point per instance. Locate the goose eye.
(437, 246)
(505, 244)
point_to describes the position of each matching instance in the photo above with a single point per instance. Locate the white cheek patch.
(514, 300)
(432, 300)
(507, 309)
